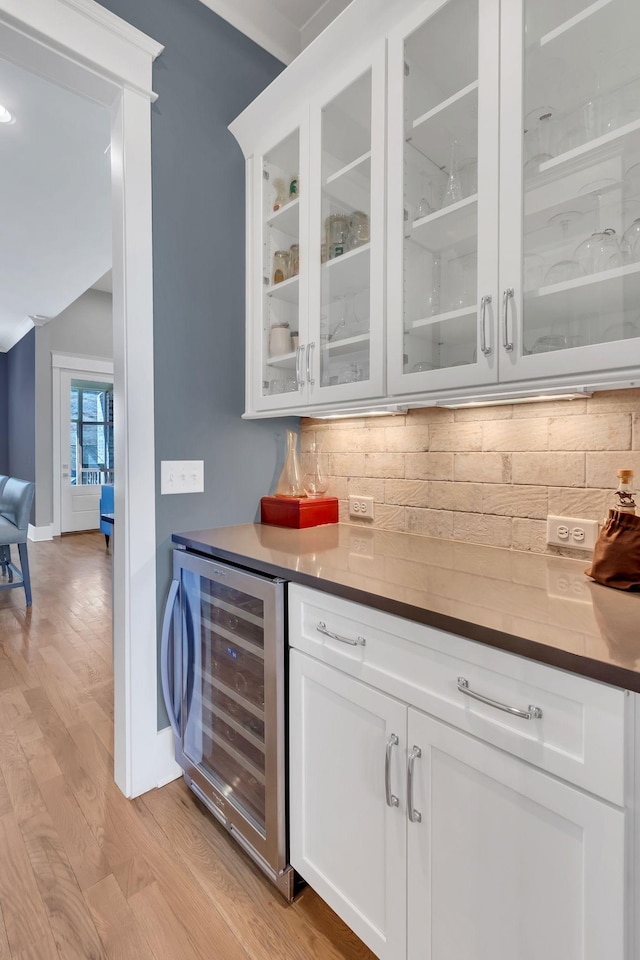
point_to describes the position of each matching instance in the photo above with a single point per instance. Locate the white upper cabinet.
(346, 246)
(444, 197)
(570, 187)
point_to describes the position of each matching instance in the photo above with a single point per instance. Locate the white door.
(507, 862)
(86, 454)
(346, 840)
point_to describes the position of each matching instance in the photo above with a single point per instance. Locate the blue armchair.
(15, 507)
(106, 506)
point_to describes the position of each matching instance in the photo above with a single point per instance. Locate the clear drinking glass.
(453, 192)
(564, 269)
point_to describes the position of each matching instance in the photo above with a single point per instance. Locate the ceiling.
(283, 27)
(55, 192)
(55, 224)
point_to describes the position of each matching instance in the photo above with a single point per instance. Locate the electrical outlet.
(572, 532)
(361, 507)
(182, 476)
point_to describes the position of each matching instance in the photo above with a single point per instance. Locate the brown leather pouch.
(616, 555)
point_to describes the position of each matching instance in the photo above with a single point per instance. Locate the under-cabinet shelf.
(422, 326)
(347, 274)
(350, 186)
(286, 219)
(448, 226)
(283, 361)
(339, 348)
(287, 290)
(608, 292)
(454, 119)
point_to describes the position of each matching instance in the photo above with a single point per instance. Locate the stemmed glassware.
(601, 250)
(453, 192)
(566, 269)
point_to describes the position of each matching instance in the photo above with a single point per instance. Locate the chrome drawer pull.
(414, 815)
(322, 628)
(392, 800)
(533, 713)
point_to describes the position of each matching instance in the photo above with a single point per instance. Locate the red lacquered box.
(298, 511)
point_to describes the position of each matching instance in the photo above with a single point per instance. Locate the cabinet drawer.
(577, 731)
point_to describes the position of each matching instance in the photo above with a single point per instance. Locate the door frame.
(60, 364)
(87, 49)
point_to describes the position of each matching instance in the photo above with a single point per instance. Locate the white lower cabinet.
(507, 863)
(428, 841)
(345, 841)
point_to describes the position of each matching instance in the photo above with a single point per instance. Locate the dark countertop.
(538, 606)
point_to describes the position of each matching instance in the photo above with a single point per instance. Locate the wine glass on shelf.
(453, 192)
(425, 203)
(601, 250)
(565, 268)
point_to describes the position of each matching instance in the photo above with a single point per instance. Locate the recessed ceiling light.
(6, 116)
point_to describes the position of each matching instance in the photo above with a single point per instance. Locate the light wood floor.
(85, 873)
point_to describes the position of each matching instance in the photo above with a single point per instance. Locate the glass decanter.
(290, 482)
(314, 481)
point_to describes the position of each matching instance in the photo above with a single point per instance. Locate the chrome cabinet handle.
(322, 628)
(508, 294)
(299, 379)
(392, 800)
(166, 652)
(533, 713)
(486, 349)
(310, 347)
(414, 815)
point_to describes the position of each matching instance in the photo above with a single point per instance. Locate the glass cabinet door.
(280, 271)
(571, 276)
(443, 143)
(345, 354)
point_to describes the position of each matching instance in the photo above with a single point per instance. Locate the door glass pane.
(345, 237)
(441, 190)
(91, 432)
(581, 140)
(281, 266)
(224, 732)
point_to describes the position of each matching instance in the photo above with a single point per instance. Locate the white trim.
(263, 23)
(78, 44)
(74, 361)
(36, 534)
(87, 368)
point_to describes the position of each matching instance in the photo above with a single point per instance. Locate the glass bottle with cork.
(624, 497)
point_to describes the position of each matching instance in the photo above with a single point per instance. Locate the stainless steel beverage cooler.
(223, 679)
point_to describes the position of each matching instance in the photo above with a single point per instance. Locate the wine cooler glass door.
(232, 711)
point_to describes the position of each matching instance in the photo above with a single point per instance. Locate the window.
(91, 433)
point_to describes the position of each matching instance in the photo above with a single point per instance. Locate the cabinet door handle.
(508, 294)
(392, 800)
(322, 628)
(414, 815)
(299, 379)
(310, 347)
(533, 713)
(484, 346)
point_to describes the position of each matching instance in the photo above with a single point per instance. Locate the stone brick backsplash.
(487, 474)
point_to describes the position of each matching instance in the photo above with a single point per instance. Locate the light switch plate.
(182, 476)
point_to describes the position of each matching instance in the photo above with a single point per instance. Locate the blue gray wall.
(207, 74)
(20, 364)
(4, 447)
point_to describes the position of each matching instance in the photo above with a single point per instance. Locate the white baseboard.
(40, 533)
